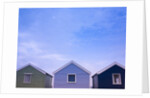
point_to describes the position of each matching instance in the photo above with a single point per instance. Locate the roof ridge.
(109, 66)
(72, 62)
(37, 68)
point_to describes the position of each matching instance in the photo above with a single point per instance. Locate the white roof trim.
(72, 62)
(109, 66)
(42, 71)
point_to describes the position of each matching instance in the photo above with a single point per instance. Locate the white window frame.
(119, 78)
(30, 78)
(68, 78)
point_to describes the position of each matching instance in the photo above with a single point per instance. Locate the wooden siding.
(105, 78)
(38, 79)
(48, 81)
(82, 78)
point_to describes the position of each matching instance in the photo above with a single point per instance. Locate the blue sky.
(51, 37)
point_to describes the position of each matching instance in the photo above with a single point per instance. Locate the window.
(27, 77)
(71, 78)
(116, 79)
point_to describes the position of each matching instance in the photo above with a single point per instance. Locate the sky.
(51, 37)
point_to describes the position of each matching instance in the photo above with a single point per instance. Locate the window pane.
(116, 79)
(27, 78)
(71, 78)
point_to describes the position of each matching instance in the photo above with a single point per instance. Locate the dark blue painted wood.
(105, 79)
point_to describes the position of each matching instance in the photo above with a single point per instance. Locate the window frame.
(30, 78)
(68, 78)
(119, 78)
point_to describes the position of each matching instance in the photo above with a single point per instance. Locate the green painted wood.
(38, 79)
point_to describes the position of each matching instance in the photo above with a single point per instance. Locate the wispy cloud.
(29, 47)
(57, 57)
(31, 52)
(50, 37)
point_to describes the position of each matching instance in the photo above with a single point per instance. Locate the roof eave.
(72, 62)
(109, 66)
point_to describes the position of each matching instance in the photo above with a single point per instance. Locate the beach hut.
(72, 75)
(112, 76)
(32, 76)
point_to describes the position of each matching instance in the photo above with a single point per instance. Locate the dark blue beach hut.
(113, 76)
